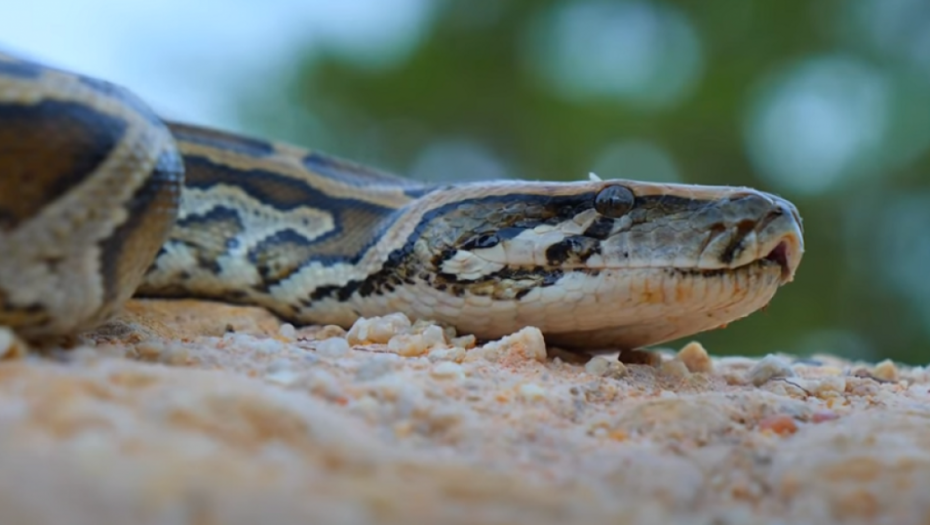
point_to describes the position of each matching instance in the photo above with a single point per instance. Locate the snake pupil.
(614, 201)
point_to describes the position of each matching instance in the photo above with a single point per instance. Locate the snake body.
(101, 200)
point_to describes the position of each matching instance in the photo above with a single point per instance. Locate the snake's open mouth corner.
(781, 255)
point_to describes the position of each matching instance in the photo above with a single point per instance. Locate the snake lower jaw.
(662, 329)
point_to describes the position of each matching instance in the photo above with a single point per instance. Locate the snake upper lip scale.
(101, 200)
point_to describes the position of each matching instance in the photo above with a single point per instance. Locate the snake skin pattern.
(101, 200)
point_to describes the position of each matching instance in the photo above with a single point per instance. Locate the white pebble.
(434, 336)
(446, 354)
(408, 345)
(377, 330)
(265, 346)
(531, 391)
(374, 368)
(282, 377)
(768, 368)
(886, 371)
(603, 367)
(333, 347)
(675, 368)
(597, 366)
(288, 332)
(10, 345)
(529, 342)
(448, 370)
(464, 342)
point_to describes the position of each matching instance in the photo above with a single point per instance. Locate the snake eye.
(614, 201)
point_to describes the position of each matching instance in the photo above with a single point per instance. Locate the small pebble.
(886, 371)
(419, 325)
(531, 391)
(528, 343)
(378, 330)
(376, 367)
(768, 368)
(288, 332)
(328, 331)
(829, 386)
(780, 424)
(696, 358)
(10, 346)
(447, 370)
(674, 368)
(603, 367)
(597, 366)
(455, 354)
(333, 347)
(434, 336)
(176, 355)
(465, 341)
(282, 377)
(408, 345)
(149, 351)
(824, 415)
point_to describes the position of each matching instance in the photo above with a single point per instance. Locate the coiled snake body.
(101, 200)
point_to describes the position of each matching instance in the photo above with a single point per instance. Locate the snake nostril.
(780, 210)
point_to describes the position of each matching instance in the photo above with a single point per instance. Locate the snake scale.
(101, 200)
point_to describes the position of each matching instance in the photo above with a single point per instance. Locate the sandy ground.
(192, 412)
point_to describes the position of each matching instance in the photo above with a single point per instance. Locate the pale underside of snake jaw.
(612, 264)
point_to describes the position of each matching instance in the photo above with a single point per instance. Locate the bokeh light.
(818, 124)
(643, 52)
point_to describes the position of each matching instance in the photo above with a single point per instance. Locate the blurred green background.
(826, 103)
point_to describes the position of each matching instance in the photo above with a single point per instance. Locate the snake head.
(604, 225)
(620, 262)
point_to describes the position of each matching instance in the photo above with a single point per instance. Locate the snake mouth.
(780, 256)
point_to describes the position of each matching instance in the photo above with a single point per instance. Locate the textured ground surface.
(188, 412)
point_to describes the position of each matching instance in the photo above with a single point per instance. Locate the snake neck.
(269, 223)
